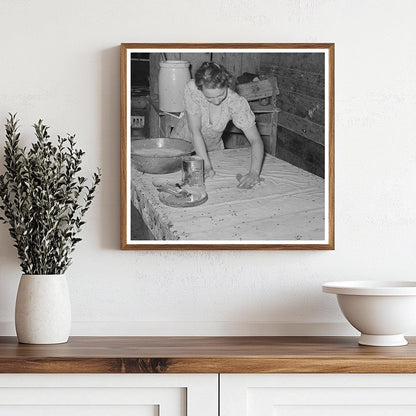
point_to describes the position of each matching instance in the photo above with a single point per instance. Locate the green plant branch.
(44, 199)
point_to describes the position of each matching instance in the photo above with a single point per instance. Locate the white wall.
(60, 62)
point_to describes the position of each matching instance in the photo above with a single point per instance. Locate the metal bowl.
(161, 155)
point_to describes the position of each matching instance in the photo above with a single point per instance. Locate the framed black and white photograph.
(227, 146)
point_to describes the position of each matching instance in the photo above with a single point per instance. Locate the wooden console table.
(206, 376)
(206, 355)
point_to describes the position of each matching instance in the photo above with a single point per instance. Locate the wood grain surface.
(206, 355)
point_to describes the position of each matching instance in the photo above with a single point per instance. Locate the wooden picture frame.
(293, 208)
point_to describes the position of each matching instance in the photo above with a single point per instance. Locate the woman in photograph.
(210, 104)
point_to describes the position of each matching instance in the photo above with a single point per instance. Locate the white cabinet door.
(109, 394)
(318, 394)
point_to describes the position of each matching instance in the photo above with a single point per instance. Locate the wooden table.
(288, 205)
(206, 355)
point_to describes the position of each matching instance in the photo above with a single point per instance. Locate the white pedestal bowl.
(381, 311)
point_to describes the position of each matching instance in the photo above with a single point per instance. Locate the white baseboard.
(201, 329)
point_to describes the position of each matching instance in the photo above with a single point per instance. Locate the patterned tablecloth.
(288, 205)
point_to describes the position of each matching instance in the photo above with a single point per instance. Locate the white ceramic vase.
(43, 309)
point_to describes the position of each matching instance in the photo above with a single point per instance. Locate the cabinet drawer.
(318, 394)
(108, 395)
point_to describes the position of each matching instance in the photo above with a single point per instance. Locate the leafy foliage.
(44, 198)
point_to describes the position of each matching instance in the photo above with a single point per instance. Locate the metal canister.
(193, 171)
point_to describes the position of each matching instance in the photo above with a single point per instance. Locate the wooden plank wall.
(154, 59)
(301, 81)
(236, 63)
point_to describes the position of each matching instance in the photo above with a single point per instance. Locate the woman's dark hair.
(212, 75)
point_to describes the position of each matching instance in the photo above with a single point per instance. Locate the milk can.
(173, 76)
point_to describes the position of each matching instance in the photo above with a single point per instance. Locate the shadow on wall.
(276, 316)
(109, 130)
(9, 279)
